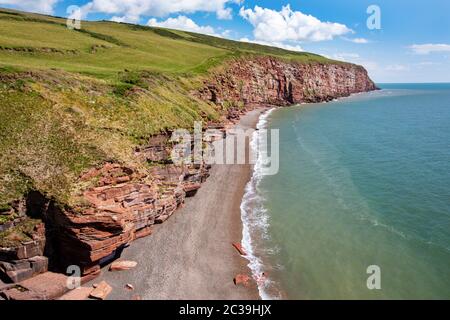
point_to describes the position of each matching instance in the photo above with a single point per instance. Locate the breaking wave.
(255, 220)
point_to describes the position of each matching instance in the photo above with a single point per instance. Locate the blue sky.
(412, 45)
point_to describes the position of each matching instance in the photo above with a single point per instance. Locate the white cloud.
(397, 67)
(41, 6)
(288, 46)
(132, 10)
(274, 44)
(127, 18)
(181, 23)
(429, 48)
(345, 56)
(427, 63)
(288, 25)
(226, 33)
(356, 40)
(225, 14)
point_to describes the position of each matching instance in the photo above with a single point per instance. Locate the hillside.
(80, 79)
(102, 49)
(85, 115)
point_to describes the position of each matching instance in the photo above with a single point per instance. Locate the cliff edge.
(268, 80)
(85, 162)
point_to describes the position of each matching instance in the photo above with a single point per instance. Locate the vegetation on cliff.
(71, 99)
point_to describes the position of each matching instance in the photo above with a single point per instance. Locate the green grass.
(72, 99)
(125, 46)
(56, 125)
(21, 233)
(39, 144)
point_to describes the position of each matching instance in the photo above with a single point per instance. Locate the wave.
(255, 220)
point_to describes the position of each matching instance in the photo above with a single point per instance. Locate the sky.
(396, 40)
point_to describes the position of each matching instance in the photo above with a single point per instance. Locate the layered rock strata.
(121, 204)
(268, 80)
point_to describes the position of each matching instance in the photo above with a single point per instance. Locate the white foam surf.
(255, 219)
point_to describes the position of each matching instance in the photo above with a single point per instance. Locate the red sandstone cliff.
(121, 205)
(267, 80)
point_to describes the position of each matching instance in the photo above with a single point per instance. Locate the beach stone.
(122, 265)
(129, 286)
(102, 291)
(242, 279)
(47, 286)
(240, 249)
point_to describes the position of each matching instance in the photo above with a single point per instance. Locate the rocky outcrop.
(45, 286)
(156, 151)
(268, 80)
(24, 240)
(28, 261)
(119, 204)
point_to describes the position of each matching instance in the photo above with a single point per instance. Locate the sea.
(360, 206)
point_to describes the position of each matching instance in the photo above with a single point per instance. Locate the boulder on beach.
(122, 265)
(239, 248)
(242, 279)
(101, 291)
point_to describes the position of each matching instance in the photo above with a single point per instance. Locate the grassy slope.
(127, 46)
(75, 109)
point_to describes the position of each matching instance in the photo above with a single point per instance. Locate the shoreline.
(252, 217)
(190, 256)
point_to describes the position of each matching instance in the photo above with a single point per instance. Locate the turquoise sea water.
(363, 181)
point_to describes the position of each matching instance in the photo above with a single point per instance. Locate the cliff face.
(119, 203)
(266, 80)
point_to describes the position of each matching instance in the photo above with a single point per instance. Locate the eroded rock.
(45, 286)
(239, 248)
(121, 204)
(267, 80)
(122, 265)
(242, 279)
(101, 291)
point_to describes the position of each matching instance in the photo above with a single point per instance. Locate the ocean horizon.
(363, 181)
